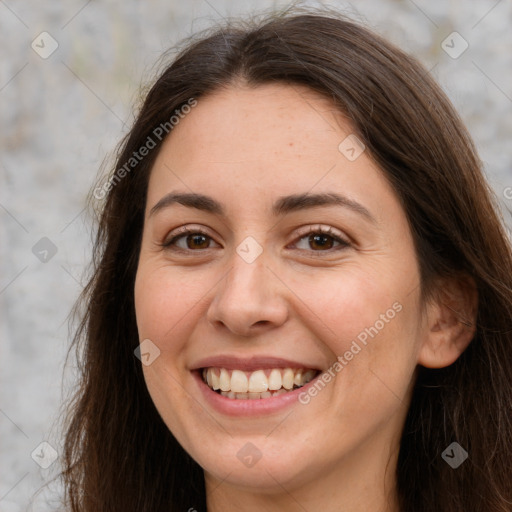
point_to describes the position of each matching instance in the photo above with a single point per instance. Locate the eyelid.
(187, 229)
(303, 232)
(325, 230)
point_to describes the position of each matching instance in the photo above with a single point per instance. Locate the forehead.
(275, 117)
(257, 142)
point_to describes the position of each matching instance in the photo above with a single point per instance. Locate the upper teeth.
(258, 381)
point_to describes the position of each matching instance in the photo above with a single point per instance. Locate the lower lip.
(249, 407)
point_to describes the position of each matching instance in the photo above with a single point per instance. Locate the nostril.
(261, 322)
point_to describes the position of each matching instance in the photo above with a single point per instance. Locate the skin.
(245, 147)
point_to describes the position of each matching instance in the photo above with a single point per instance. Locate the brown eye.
(197, 241)
(189, 240)
(321, 241)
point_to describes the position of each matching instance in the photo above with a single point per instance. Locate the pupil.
(197, 241)
(321, 241)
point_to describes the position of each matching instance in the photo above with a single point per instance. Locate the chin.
(267, 470)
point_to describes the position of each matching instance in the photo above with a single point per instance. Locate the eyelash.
(312, 230)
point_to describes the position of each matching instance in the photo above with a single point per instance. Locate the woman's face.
(274, 250)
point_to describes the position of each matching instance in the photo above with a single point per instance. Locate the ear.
(450, 322)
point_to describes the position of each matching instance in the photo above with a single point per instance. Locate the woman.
(302, 296)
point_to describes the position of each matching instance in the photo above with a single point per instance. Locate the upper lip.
(249, 364)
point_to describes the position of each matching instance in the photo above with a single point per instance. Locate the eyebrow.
(282, 206)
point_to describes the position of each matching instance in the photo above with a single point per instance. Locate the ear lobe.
(450, 322)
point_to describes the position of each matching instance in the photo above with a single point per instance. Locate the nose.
(248, 300)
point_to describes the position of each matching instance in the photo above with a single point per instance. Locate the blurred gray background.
(69, 75)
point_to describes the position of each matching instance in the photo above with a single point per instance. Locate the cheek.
(369, 321)
(344, 304)
(165, 300)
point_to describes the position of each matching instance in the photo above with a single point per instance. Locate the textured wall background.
(62, 113)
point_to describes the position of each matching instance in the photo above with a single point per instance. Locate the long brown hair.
(120, 456)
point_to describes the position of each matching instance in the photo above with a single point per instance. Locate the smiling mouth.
(264, 383)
